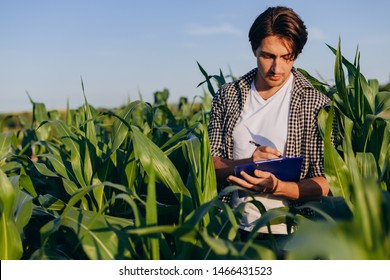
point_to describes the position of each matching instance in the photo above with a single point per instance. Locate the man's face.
(274, 62)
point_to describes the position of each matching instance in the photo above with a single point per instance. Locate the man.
(275, 106)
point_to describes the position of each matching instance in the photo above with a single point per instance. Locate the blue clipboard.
(285, 169)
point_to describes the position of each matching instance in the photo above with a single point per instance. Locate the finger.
(269, 150)
(262, 174)
(252, 180)
(269, 180)
(248, 177)
(264, 154)
(241, 182)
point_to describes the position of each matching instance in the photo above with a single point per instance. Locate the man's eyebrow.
(267, 53)
(271, 54)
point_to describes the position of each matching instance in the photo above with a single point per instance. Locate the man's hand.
(225, 167)
(263, 182)
(265, 152)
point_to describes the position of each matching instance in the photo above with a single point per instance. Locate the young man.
(275, 106)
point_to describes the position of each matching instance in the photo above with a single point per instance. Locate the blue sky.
(121, 48)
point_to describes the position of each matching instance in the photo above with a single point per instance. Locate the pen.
(254, 143)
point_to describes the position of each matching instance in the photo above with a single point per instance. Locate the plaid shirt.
(303, 136)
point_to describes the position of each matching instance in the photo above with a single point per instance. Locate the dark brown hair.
(282, 22)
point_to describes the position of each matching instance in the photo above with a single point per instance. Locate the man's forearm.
(306, 190)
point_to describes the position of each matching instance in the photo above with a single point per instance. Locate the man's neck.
(267, 92)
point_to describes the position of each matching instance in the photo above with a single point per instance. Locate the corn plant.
(363, 231)
(131, 184)
(361, 102)
(355, 223)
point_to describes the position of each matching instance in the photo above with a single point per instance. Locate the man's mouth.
(274, 77)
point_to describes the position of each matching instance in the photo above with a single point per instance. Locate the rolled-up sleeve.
(215, 127)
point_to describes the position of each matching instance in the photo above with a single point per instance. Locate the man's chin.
(275, 82)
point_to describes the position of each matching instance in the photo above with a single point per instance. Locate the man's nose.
(276, 64)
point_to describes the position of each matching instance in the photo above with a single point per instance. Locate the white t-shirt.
(265, 122)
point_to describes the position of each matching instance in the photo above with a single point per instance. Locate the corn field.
(138, 182)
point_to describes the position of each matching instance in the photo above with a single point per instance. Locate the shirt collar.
(247, 79)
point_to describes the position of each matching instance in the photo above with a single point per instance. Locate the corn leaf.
(207, 171)
(208, 81)
(154, 160)
(87, 163)
(327, 241)
(40, 117)
(382, 102)
(336, 170)
(10, 239)
(59, 166)
(5, 143)
(90, 130)
(97, 239)
(71, 141)
(367, 165)
(23, 210)
(121, 127)
(42, 168)
(26, 183)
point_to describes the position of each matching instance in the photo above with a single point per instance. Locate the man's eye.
(267, 56)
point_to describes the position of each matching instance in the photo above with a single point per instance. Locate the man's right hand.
(265, 152)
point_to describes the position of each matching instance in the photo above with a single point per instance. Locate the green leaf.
(320, 86)
(121, 125)
(96, 237)
(90, 130)
(154, 160)
(40, 117)
(382, 102)
(49, 202)
(23, 206)
(130, 171)
(59, 166)
(10, 239)
(207, 174)
(178, 137)
(209, 85)
(219, 246)
(336, 171)
(226, 249)
(371, 89)
(202, 173)
(326, 241)
(26, 184)
(191, 223)
(71, 141)
(5, 143)
(87, 164)
(342, 90)
(42, 168)
(367, 165)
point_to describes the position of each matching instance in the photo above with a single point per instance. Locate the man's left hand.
(262, 181)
